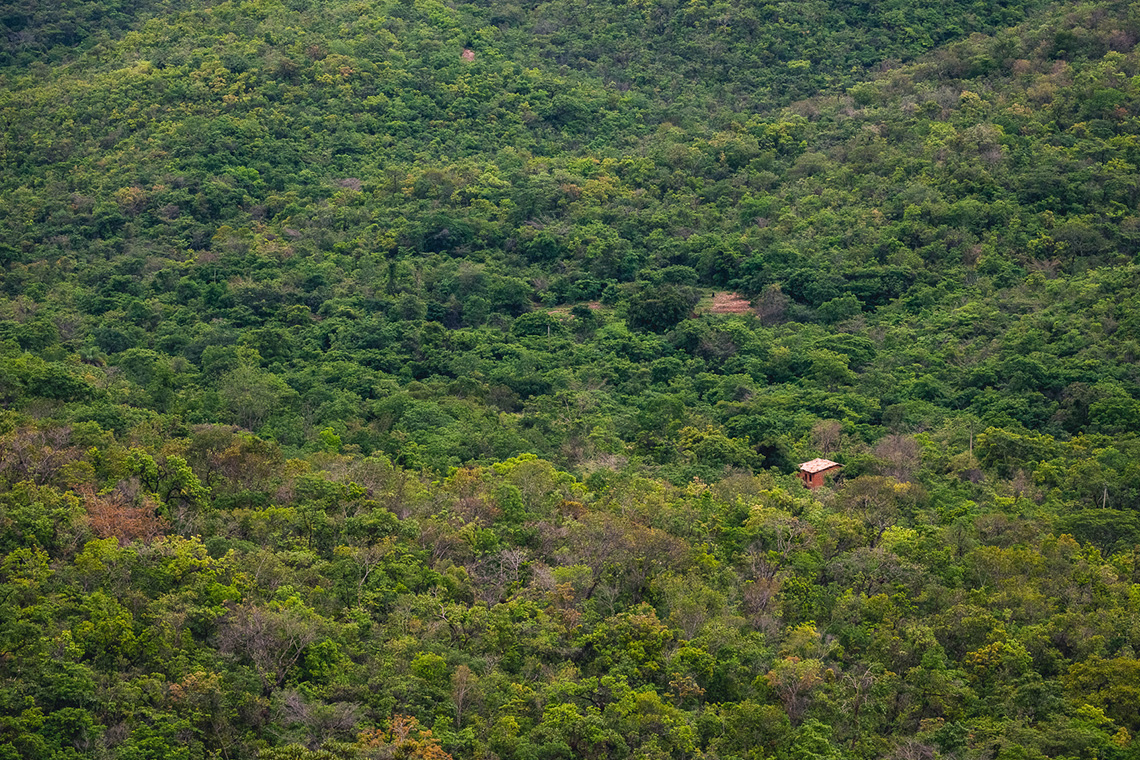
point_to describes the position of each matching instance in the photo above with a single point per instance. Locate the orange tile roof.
(819, 465)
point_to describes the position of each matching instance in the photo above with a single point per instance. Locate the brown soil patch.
(729, 303)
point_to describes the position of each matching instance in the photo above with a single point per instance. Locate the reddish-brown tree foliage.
(118, 514)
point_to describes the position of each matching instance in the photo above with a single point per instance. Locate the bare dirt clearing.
(727, 302)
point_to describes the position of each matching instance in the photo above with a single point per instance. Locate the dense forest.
(419, 379)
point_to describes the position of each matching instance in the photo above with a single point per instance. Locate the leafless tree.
(463, 689)
(899, 456)
(826, 435)
(35, 454)
(771, 304)
(794, 680)
(859, 683)
(495, 574)
(913, 750)
(758, 604)
(874, 499)
(272, 639)
(442, 540)
(321, 721)
(367, 559)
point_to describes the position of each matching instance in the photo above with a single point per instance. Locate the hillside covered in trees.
(415, 379)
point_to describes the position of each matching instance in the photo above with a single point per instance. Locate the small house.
(812, 473)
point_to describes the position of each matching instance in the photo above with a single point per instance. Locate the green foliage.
(659, 308)
(371, 368)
